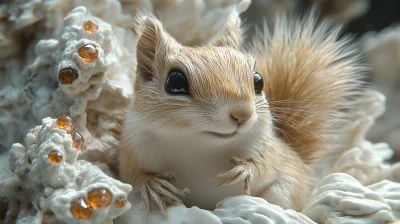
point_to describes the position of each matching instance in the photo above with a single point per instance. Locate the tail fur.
(311, 77)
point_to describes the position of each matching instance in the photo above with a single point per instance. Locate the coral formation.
(49, 183)
(339, 198)
(232, 210)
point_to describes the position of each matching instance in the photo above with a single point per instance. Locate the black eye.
(177, 83)
(258, 83)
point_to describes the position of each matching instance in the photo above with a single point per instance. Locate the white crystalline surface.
(339, 198)
(42, 190)
(233, 210)
(361, 158)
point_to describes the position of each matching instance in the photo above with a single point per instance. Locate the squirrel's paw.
(157, 187)
(242, 171)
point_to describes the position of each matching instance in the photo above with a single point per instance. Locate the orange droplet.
(65, 123)
(120, 203)
(88, 53)
(55, 156)
(90, 27)
(77, 140)
(99, 198)
(67, 76)
(79, 209)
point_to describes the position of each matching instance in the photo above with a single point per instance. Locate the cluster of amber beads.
(120, 203)
(90, 27)
(77, 140)
(66, 123)
(55, 156)
(67, 76)
(80, 209)
(99, 198)
(88, 53)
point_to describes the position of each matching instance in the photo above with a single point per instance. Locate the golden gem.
(67, 76)
(120, 203)
(88, 53)
(89, 26)
(65, 123)
(77, 140)
(55, 156)
(80, 209)
(99, 198)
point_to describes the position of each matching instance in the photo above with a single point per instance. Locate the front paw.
(242, 171)
(158, 187)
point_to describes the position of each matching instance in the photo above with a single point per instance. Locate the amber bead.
(80, 209)
(99, 198)
(90, 27)
(65, 123)
(67, 76)
(55, 156)
(120, 203)
(77, 140)
(88, 53)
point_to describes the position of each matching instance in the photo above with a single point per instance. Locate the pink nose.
(241, 115)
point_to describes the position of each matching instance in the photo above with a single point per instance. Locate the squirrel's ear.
(231, 36)
(150, 35)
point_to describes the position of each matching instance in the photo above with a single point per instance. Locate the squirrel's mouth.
(222, 135)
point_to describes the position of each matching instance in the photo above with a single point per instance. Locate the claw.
(164, 191)
(146, 198)
(160, 203)
(169, 187)
(240, 172)
(157, 187)
(238, 178)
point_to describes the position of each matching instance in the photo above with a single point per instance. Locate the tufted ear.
(151, 37)
(231, 35)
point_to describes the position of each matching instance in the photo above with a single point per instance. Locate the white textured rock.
(233, 210)
(365, 161)
(40, 190)
(246, 209)
(339, 198)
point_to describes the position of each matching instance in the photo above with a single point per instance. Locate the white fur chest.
(194, 164)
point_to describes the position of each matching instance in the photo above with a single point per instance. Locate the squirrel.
(214, 121)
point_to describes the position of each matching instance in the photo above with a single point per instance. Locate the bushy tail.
(311, 77)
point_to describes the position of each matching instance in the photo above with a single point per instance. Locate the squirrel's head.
(208, 93)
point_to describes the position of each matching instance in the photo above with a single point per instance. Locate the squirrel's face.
(210, 92)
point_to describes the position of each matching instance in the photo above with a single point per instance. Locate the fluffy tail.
(311, 77)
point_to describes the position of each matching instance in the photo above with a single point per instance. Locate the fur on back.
(310, 76)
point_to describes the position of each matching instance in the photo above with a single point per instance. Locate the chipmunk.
(217, 115)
